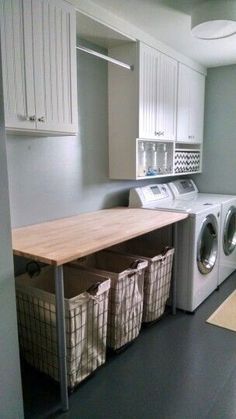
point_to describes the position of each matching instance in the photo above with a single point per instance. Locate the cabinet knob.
(42, 119)
(31, 118)
(159, 133)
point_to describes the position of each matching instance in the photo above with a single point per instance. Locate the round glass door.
(229, 231)
(207, 246)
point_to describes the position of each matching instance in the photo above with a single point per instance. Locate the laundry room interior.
(118, 209)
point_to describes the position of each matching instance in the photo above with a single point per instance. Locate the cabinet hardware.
(42, 119)
(31, 118)
(159, 133)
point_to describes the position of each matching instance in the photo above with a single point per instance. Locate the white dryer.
(227, 246)
(196, 243)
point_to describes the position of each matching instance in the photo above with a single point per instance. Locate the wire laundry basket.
(126, 294)
(157, 279)
(86, 310)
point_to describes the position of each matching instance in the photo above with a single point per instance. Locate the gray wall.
(10, 385)
(56, 177)
(219, 162)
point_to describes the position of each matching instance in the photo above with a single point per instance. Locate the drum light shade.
(214, 19)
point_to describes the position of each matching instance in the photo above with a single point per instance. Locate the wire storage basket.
(157, 280)
(126, 294)
(86, 311)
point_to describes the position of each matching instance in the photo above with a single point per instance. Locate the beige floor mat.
(225, 315)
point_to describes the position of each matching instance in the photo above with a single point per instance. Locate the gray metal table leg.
(174, 235)
(61, 335)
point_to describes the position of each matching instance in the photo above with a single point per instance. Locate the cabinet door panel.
(28, 58)
(197, 83)
(54, 65)
(148, 91)
(166, 99)
(16, 36)
(183, 114)
(191, 93)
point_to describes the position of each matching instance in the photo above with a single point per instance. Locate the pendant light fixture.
(214, 19)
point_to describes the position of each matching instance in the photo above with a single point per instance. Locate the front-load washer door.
(207, 245)
(229, 231)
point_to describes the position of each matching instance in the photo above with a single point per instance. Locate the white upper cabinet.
(157, 95)
(147, 117)
(39, 66)
(191, 96)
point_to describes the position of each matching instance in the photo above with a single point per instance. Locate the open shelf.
(97, 33)
(154, 158)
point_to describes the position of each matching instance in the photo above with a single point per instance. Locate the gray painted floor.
(179, 368)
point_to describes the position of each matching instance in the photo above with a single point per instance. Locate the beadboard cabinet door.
(54, 65)
(191, 96)
(39, 66)
(167, 99)
(18, 77)
(148, 91)
(157, 95)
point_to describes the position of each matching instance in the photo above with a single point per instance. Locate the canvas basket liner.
(126, 293)
(157, 279)
(86, 322)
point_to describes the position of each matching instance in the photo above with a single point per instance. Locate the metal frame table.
(61, 241)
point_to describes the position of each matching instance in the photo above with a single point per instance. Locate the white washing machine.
(227, 247)
(196, 242)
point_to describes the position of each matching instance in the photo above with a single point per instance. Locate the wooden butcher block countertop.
(64, 240)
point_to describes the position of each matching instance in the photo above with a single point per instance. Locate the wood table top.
(63, 240)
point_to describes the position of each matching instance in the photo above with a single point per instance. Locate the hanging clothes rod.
(105, 57)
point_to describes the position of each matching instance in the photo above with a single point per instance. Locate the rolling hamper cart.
(157, 280)
(126, 294)
(86, 310)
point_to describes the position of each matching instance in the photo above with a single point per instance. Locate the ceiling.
(169, 21)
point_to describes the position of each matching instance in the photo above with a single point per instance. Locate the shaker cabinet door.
(17, 64)
(55, 65)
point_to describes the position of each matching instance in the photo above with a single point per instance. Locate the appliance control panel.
(139, 197)
(183, 188)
